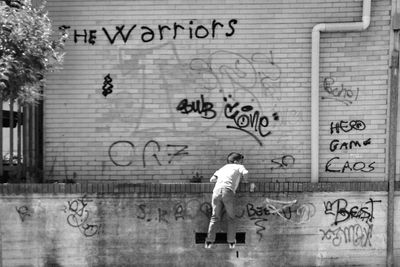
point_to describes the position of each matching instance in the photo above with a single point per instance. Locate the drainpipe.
(326, 27)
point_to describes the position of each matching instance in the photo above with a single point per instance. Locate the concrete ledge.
(146, 188)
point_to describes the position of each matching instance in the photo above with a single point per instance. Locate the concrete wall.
(142, 225)
(163, 91)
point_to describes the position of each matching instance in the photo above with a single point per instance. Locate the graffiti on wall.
(247, 120)
(219, 75)
(339, 93)
(358, 233)
(188, 30)
(107, 85)
(229, 73)
(336, 145)
(192, 209)
(122, 153)
(222, 78)
(182, 210)
(239, 71)
(78, 216)
(244, 118)
(350, 224)
(284, 162)
(23, 212)
(289, 212)
(341, 211)
(204, 108)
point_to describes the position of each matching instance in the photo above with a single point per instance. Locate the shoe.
(232, 245)
(208, 244)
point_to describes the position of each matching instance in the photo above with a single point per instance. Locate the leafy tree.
(28, 49)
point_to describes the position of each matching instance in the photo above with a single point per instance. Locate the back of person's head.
(232, 157)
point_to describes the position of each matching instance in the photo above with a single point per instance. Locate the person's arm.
(244, 174)
(245, 180)
(214, 178)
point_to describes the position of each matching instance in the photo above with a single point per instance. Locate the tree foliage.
(28, 50)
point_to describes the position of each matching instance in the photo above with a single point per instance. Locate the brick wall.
(143, 226)
(167, 100)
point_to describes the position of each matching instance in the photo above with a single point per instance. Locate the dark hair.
(232, 157)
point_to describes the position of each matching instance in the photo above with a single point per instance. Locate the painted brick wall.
(167, 100)
(149, 229)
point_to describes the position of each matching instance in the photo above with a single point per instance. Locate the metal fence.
(21, 142)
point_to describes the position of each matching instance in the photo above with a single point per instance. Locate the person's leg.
(228, 199)
(216, 205)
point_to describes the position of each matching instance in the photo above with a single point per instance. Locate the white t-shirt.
(229, 176)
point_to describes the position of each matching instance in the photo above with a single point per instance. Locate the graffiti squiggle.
(355, 234)
(79, 215)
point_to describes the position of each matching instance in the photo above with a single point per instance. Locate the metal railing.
(21, 142)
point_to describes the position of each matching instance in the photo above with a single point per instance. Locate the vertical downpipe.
(326, 27)
(315, 105)
(392, 130)
(392, 145)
